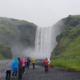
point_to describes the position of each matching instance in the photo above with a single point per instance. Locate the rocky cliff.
(14, 31)
(67, 51)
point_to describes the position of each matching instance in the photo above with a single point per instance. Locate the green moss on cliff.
(15, 32)
(67, 52)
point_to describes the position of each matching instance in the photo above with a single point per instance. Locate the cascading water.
(43, 43)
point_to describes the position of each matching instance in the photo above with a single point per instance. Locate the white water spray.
(43, 43)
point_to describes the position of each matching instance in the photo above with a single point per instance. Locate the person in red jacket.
(46, 62)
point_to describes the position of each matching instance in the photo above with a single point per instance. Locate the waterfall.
(43, 43)
(43, 46)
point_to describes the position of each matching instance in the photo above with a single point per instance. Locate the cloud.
(41, 12)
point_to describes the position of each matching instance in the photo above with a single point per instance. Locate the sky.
(43, 13)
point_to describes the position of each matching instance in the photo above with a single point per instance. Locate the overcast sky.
(42, 12)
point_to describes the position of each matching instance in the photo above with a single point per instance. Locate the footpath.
(39, 74)
(53, 74)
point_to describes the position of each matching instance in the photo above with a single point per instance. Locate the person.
(8, 74)
(23, 64)
(28, 62)
(45, 62)
(33, 63)
(15, 67)
(20, 70)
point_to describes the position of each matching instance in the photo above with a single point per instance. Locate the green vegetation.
(14, 32)
(67, 52)
(5, 52)
(19, 31)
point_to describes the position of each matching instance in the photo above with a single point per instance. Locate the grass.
(69, 59)
(1, 57)
(67, 63)
(5, 52)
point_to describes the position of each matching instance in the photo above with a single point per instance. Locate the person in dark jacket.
(8, 74)
(28, 63)
(20, 69)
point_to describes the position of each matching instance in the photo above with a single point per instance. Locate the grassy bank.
(70, 58)
(5, 52)
(67, 52)
(71, 64)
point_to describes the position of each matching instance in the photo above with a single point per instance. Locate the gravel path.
(53, 74)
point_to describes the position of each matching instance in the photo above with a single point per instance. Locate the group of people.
(19, 65)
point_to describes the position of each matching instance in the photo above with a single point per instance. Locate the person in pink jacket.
(23, 63)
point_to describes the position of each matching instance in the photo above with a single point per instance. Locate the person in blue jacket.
(15, 66)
